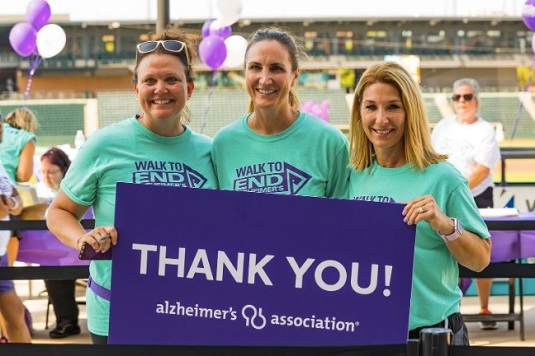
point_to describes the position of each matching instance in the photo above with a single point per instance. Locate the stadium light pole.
(162, 16)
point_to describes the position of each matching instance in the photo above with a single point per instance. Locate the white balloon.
(51, 40)
(229, 11)
(236, 46)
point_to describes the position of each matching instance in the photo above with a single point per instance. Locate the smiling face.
(162, 91)
(383, 120)
(269, 75)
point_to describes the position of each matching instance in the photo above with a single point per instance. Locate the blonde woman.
(16, 154)
(18, 145)
(394, 161)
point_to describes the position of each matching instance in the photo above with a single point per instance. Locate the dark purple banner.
(210, 267)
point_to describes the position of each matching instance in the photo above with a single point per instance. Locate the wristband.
(457, 232)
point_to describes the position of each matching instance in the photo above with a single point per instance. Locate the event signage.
(210, 267)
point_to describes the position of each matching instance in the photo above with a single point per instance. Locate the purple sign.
(210, 267)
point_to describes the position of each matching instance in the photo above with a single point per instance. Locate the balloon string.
(210, 92)
(521, 106)
(35, 61)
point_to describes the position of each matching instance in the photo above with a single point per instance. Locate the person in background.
(471, 146)
(392, 157)
(16, 153)
(163, 83)
(14, 328)
(274, 138)
(54, 166)
(18, 145)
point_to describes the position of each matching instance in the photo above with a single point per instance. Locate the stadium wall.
(211, 109)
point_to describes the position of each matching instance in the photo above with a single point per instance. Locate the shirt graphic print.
(271, 177)
(167, 173)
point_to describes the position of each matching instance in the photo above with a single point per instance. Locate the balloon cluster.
(219, 48)
(35, 35)
(35, 38)
(528, 17)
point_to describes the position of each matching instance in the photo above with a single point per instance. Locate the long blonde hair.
(417, 138)
(23, 118)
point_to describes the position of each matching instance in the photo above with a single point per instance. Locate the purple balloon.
(528, 14)
(23, 38)
(213, 51)
(224, 31)
(206, 28)
(38, 13)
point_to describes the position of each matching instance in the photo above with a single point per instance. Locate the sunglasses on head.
(169, 45)
(466, 97)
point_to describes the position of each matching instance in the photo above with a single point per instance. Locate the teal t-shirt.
(435, 294)
(308, 158)
(129, 152)
(13, 141)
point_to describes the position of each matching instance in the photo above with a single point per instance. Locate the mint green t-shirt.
(12, 143)
(435, 294)
(308, 158)
(129, 152)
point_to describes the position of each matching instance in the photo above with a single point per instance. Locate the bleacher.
(58, 122)
(507, 109)
(433, 112)
(59, 119)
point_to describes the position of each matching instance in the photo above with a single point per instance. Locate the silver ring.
(422, 210)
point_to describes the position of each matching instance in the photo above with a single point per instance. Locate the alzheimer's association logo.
(271, 177)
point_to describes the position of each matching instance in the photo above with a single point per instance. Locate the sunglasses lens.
(173, 46)
(146, 47)
(466, 97)
(168, 45)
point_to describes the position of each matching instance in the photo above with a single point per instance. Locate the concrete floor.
(501, 336)
(34, 297)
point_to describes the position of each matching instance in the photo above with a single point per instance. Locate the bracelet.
(16, 204)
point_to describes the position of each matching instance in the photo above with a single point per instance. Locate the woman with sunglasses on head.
(394, 161)
(274, 140)
(163, 82)
(471, 145)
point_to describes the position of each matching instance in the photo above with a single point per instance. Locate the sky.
(146, 10)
